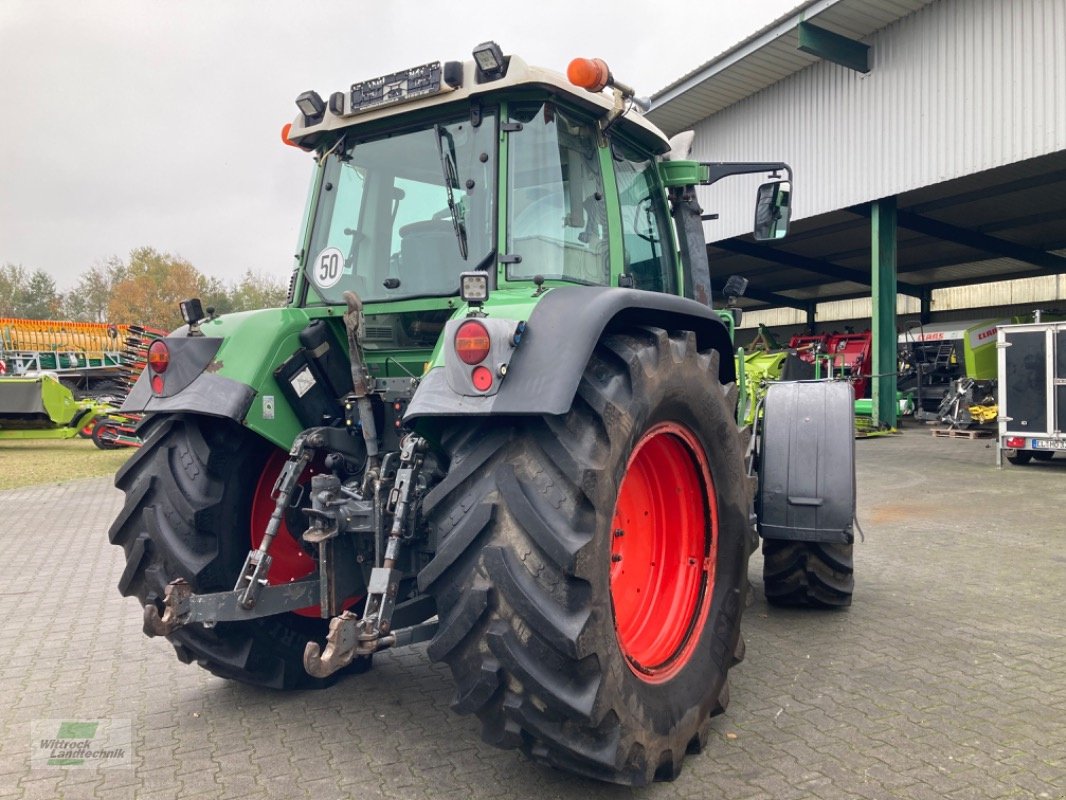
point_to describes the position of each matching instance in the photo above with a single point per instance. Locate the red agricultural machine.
(841, 355)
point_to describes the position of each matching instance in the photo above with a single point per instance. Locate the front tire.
(808, 574)
(542, 625)
(189, 497)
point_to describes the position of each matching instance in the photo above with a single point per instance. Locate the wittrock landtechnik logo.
(95, 744)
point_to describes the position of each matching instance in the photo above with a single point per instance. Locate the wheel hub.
(663, 549)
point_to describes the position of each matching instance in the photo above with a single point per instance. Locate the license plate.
(1049, 444)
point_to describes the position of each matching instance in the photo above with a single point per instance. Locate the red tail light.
(158, 356)
(1014, 442)
(472, 342)
(481, 378)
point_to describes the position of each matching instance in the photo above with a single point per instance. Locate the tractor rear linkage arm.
(335, 510)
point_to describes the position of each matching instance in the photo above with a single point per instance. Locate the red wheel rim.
(663, 551)
(289, 561)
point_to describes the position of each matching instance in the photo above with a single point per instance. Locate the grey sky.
(144, 122)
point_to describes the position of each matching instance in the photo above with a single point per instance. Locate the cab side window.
(649, 257)
(557, 221)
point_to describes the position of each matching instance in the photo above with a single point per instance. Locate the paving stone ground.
(946, 679)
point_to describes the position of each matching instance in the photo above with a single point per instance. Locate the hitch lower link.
(350, 636)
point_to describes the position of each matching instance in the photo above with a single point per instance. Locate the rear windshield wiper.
(451, 182)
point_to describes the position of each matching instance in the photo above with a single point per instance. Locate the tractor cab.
(449, 168)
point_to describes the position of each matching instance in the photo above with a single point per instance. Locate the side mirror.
(773, 209)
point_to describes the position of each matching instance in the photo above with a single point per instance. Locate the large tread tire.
(808, 574)
(188, 496)
(521, 574)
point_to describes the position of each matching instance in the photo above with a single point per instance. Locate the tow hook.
(342, 646)
(175, 610)
(349, 636)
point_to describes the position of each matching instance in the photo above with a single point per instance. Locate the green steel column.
(883, 299)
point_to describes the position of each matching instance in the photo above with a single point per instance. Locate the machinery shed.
(928, 144)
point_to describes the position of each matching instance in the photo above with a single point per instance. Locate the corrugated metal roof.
(766, 57)
(962, 119)
(956, 88)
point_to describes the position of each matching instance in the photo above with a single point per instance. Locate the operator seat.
(430, 262)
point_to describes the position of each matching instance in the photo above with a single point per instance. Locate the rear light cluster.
(480, 349)
(1014, 442)
(473, 345)
(158, 361)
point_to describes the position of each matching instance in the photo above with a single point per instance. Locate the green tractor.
(497, 414)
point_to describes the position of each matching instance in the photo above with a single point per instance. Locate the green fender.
(235, 380)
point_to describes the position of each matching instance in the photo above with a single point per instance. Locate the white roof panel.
(766, 57)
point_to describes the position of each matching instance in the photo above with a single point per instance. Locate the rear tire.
(1043, 455)
(1019, 457)
(811, 574)
(526, 580)
(189, 492)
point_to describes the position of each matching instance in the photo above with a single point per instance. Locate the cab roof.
(519, 75)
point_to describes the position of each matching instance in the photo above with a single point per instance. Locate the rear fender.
(229, 372)
(560, 335)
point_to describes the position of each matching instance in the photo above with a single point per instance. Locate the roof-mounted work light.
(311, 105)
(490, 60)
(192, 310)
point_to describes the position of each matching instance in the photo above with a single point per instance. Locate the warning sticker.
(302, 381)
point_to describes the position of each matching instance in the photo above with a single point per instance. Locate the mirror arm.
(723, 169)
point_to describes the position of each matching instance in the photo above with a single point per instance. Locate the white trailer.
(1032, 391)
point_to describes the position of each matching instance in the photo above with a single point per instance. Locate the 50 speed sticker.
(327, 268)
